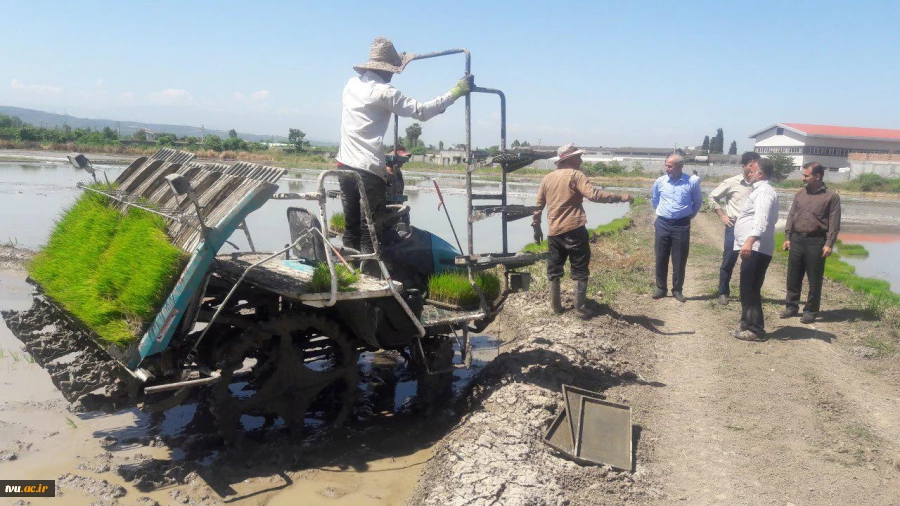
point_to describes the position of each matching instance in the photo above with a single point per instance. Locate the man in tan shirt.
(562, 192)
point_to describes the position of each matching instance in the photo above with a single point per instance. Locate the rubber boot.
(582, 308)
(555, 303)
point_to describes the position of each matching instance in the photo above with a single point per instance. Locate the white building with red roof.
(828, 145)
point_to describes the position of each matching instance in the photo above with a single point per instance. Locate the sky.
(596, 73)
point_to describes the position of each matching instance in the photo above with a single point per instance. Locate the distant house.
(828, 145)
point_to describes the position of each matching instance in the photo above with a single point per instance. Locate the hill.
(49, 119)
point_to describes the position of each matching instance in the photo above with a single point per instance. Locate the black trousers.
(356, 231)
(673, 239)
(729, 259)
(574, 245)
(805, 257)
(753, 273)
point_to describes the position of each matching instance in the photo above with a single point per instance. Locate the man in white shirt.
(727, 200)
(754, 237)
(368, 102)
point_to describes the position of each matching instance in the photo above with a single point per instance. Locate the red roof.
(839, 131)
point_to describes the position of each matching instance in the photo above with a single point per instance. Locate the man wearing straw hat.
(562, 192)
(368, 102)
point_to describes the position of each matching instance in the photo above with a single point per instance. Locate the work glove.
(538, 234)
(463, 86)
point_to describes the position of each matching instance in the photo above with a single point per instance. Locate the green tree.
(413, 132)
(705, 146)
(441, 145)
(296, 137)
(28, 133)
(140, 135)
(110, 134)
(717, 143)
(733, 149)
(166, 140)
(213, 142)
(524, 144)
(234, 144)
(516, 143)
(784, 165)
(232, 134)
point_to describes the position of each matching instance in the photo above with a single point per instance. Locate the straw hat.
(567, 151)
(383, 56)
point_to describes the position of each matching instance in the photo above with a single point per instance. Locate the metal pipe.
(503, 197)
(364, 201)
(396, 134)
(192, 354)
(184, 384)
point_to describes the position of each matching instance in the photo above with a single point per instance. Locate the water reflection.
(882, 260)
(32, 195)
(269, 225)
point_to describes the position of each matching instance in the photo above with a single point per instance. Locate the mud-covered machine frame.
(248, 326)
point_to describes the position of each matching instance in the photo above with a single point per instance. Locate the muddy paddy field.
(812, 417)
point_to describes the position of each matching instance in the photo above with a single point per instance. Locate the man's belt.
(820, 233)
(675, 221)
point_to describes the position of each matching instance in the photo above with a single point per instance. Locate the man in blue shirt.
(676, 198)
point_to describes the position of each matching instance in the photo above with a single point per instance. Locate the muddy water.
(32, 195)
(377, 461)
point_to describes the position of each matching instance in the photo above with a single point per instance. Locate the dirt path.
(799, 419)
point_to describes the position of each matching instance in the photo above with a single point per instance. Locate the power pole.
(119, 129)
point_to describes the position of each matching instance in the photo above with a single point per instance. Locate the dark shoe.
(659, 294)
(555, 303)
(723, 300)
(582, 308)
(789, 313)
(746, 335)
(808, 318)
(678, 296)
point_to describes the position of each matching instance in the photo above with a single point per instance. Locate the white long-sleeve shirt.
(757, 219)
(368, 103)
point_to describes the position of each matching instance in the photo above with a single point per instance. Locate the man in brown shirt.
(562, 192)
(812, 228)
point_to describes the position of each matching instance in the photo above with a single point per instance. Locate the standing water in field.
(32, 195)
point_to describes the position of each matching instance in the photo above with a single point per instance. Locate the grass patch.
(883, 349)
(536, 248)
(879, 297)
(851, 250)
(614, 227)
(860, 432)
(321, 280)
(454, 288)
(337, 223)
(111, 271)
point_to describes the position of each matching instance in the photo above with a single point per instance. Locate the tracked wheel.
(278, 368)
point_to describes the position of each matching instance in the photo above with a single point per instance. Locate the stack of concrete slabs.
(591, 430)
